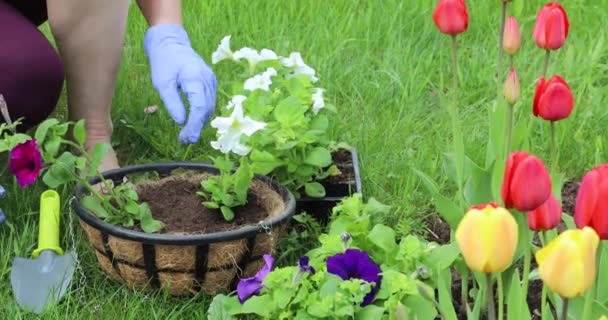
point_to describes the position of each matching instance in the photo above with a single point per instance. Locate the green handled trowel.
(44, 279)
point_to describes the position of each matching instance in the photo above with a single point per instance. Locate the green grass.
(381, 63)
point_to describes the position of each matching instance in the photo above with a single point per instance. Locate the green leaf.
(420, 308)
(51, 147)
(147, 222)
(223, 164)
(289, 112)
(242, 180)
(370, 312)
(133, 208)
(61, 172)
(211, 205)
(97, 155)
(517, 308)
(80, 133)
(448, 210)
(260, 305)
(43, 128)
(444, 283)
(444, 256)
(518, 7)
(602, 277)
(263, 162)
(92, 204)
(320, 123)
(314, 190)
(227, 213)
(478, 184)
(384, 237)
(216, 309)
(319, 157)
(17, 139)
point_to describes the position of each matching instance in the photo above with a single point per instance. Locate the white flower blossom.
(231, 129)
(260, 81)
(295, 62)
(317, 101)
(253, 56)
(223, 51)
(236, 101)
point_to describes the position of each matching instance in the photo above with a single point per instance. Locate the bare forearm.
(161, 11)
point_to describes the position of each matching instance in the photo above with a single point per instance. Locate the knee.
(31, 81)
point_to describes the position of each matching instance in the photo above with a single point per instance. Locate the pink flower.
(25, 162)
(151, 109)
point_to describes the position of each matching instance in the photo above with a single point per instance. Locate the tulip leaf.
(517, 307)
(478, 186)
(447, 208)
(518, 7)
(444, 283)
(602, 277)
(569, 221)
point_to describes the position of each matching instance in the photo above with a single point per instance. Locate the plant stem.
(501, 34)
(590, 296)
(511, 61)
(553, 149)
(464, 288)
(453, 109)
(455, 62)
(546, 65)
(490, 294)
(543, 301)
(509, 129)
(500, 297)
(564, 315)
(527, 261)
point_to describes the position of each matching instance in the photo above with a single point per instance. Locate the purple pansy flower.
(251, 286)
(356, 264)
(304, 266)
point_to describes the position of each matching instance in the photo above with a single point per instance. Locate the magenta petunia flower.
(356, 264)
(251, 286)
(25, 162)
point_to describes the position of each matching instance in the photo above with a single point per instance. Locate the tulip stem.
(464, 288)
(527, 261)
(455, 61)
(509, 129)
(546, 65)
(511, 64)
(543, 301)
(501, 34)
(565, 304)
(500, 297)
(553, 149)
(453, 110)
(490, 293)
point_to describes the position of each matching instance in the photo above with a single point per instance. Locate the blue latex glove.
(175, 65)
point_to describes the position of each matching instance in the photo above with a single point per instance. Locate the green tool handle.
(48, 233)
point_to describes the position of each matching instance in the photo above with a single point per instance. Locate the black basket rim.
(172, 239)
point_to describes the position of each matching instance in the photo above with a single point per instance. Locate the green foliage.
(289, 294)
(294, 147)
(227, 189)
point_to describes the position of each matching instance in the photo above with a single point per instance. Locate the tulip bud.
(511, 40)
(545, 217)
(553, 99)
(511, 90)
(487, 238)
(591, 209)
(551, 29)
(451, 16)
(567, 263)
(526, 185)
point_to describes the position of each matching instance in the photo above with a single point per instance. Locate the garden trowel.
(44, 279)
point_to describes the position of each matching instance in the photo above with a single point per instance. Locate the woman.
(90, 36)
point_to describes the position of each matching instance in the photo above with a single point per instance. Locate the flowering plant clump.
(276, 123)
(61, 161)
(359, 271)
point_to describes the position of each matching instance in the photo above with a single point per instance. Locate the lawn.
(382, 63)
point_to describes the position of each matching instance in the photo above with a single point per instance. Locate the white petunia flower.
(236, 101)
(223, 51)
(231, 129)
(253, 56)
(296, 63)
(260, 81)
(317, 101)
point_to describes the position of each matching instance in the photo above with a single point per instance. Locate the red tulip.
(25, 162)
(545, 217)
(551, 29)
(526, 185)
(511, 40)
(553, 99)
(451, 16)
(592, 201)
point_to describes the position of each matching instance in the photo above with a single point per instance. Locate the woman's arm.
(161, 11)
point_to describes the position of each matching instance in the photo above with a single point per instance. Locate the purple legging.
(31, 73)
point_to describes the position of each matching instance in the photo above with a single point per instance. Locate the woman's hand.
(175, 65)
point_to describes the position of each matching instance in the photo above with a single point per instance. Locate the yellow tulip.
(567, 264)
(487, 237)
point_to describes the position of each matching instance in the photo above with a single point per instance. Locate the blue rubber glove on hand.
(175, 65)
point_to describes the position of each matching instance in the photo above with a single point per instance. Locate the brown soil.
(343, 160)
(175, 203)
(439, 230)
(569, 192)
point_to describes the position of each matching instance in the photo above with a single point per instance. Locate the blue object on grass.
(2, 192)
(2, 217)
